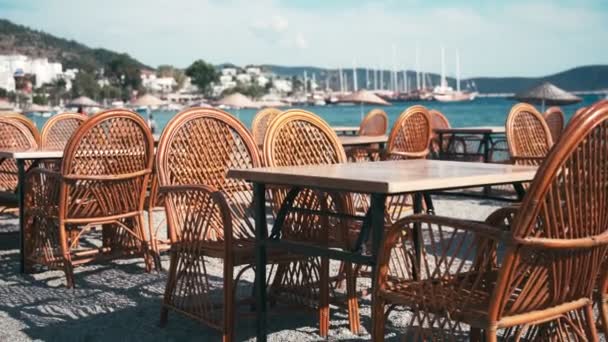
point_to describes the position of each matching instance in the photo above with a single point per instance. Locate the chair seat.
(459, 298)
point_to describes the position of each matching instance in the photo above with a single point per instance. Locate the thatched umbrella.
(364, 97)
(547, 94)
(237, 101)
(83, 101)
(147, 100)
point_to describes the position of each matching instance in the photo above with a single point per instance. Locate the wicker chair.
(374, 123)
(298, 137)
(554, 117)
(14, 135)
(411, 135)
(580, 111)
(208, 214)
(260, 123)
(456, 145)
(58, 130)
(528, 135)
(24, 121)
(103, 181)
(540, 287)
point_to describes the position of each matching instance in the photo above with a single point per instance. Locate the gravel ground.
(118, 301)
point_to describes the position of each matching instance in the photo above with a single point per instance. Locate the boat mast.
(355, 88)
(417, 69)
(341, 77)
(457, 71)
(404, 81)
(443, 80)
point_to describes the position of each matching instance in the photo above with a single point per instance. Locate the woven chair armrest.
(172, 193)
(478, 227)
(515, 159)
(407, 155)
(503, 218)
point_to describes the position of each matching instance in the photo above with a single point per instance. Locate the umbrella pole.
(361, 106)
(542, 108)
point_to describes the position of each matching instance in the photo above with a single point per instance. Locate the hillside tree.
(202, 74)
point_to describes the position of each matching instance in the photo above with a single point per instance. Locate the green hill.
(19, 39)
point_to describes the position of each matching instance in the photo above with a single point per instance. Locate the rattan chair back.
(560, 240)
(375, 123)
(13, 135)
(554, 117)
(528, 136)
(438, 120)
(411, 134)
(260, 123)
(106, 166)
(298, 137)
(59, 129)
(29, 124)
(198, 147)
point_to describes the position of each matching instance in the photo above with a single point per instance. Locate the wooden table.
(346, 130)
(379, 179)
(486, 133)
(358, 140)
(20, 157)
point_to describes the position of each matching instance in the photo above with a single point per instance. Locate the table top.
(362, 140)
(31, 154)
(473, 130)
(390, 177)
(345, 128)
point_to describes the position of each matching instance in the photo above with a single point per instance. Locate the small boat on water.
(445, 93)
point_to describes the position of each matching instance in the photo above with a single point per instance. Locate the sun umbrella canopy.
(83, 101)
(147, 100)
(547, 94)
(364, 97)
(237, 100)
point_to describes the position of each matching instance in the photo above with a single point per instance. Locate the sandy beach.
(119, 301)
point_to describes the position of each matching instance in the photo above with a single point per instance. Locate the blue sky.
(494, 37)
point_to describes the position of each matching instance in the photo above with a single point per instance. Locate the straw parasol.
(83, 101)
(547, 94)
(5, 105)
(237, 100)
(364, 97)
(147, 100)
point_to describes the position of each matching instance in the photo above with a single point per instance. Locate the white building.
(41, 68)
(229, 71)
(243, 78)
(282, 85)
(253, 71)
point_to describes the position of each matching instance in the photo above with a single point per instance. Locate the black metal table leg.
(418, 197)
(261, 233)
(20, 192)
(377, 207)
(519, 189)
(440, 156)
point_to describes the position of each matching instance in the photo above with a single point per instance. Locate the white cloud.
(512, 38)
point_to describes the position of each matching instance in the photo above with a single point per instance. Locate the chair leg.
(353, 304)
(324, 298)
(591, 323)
(379, 320)
(67, 258)
(491, 335)
(171, 280)
(603, 307)
(229, 293)
(146, 246)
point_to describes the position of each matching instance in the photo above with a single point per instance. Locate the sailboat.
(445, 93)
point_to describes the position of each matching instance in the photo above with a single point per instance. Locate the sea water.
(480, 112)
